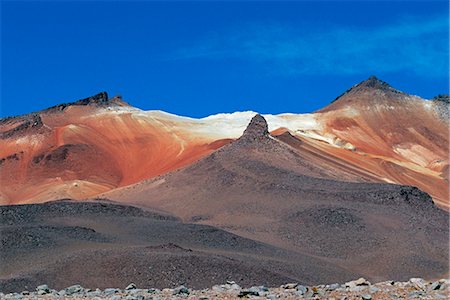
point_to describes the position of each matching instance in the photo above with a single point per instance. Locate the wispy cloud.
(413, 45)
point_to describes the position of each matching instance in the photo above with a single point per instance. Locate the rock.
(415, 294)
(218, 288)
(359, 282)
(435, 286)
(110, 291)
(181, 290)
(230, 286)
(418, 283)
(333, 286)
(257, 126)
(131, 286)
(246, 293)
(259, 289)
(319, 290)
(415, 288)
(289, 286)
(301, 289)
(43, 289)
(95, 293)
(74, 289)
(358, 288)
(309, 294)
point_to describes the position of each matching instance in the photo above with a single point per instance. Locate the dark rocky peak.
(257, 131)
(375, 83)
(444, 98)
(370, 84)
(22, 123)
(100, 99)
(256, 128)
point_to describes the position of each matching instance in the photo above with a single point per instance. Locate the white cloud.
(411, 44)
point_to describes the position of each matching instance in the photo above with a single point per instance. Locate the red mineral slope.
(371, 133)
(261, 188)
(81, 149)
(402, 138)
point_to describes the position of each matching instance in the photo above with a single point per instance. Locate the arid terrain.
(101, 194)
(371, 133)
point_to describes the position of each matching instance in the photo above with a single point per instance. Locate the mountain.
(261, 188)
(371, 133)
(256, 211)
(357, 189)
(81, 149)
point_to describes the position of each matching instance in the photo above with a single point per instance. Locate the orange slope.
(370, 133)
(84, 151)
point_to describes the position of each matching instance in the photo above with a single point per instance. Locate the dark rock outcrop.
(100, 99)
(23, 123)
(257, 129)
(442, 103)
(33, 121)
(372, 83)
(444, 98)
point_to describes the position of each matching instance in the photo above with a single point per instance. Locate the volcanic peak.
(370, 84)
(257, 128)
(374, 83)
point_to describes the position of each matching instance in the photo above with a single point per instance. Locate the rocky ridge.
(100, 99)
(442, 103)
(372, 83)
(415, 288)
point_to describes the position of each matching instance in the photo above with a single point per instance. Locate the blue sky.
(201, 58)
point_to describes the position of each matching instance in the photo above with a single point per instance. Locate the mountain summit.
(368, 92)
(101, 99)
(257, 128)
(374, 83)
(267, 190)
